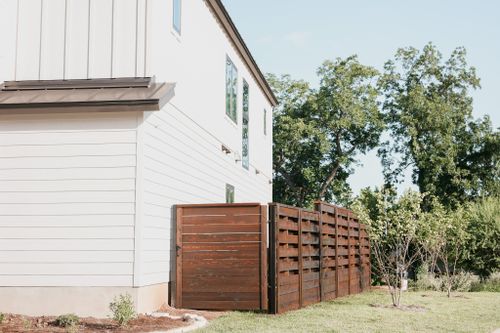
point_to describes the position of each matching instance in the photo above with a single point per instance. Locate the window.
(265, 122)
(229, 193)
(231, 90)
(176, 19)
(244, 144)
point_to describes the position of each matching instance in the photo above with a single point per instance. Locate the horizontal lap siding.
(183, 164)
(67, 199)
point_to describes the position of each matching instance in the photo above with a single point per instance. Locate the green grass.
(465, 312)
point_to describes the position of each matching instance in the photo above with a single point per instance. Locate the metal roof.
(121, 94)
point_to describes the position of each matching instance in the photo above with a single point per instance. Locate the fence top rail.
(277, 204)
(246, 204)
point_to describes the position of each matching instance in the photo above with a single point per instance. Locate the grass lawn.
(465, 312)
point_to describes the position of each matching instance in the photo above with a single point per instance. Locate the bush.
(483, 255)
(122, 309)
(492, 283)
(427, 281)
(67, 320)
(463, 281)
(2, 317)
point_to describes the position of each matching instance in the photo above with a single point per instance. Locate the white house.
(111, 112)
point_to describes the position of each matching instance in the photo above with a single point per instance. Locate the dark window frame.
(245, 132)
(231, 90)
(230, 193)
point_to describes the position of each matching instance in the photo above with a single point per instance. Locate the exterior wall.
(67, 199)
(196, 61)
(72, 39)
(183, 160)
(86, 200)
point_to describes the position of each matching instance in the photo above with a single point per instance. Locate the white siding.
(67, 199)
(72, 39)
(183, 163)
(78, 206)
(183, 160)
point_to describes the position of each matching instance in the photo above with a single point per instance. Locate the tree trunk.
(328, 181)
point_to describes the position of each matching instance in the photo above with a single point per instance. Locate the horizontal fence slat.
(319, 255)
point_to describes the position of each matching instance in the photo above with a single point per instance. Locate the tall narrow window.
(176, 19)
(245, 142)
(229, 193)
(231, 90)
(265, 122)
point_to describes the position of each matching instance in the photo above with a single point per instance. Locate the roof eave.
(229, 27)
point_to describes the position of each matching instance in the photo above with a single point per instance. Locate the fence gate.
(221, 261)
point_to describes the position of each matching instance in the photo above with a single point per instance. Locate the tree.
(320, 133)
(444, 237)
(428, 108)
(393, 225)
(297, 143)
(483, 247)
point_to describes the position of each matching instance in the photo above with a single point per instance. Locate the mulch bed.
(19, 324)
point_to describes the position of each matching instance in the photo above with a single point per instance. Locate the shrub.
(122, 309)
(67, 320)
(427, 281)
(463, 281)
(492, 283)
(483, 255)
(2, 317)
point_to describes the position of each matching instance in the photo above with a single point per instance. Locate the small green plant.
(2, 317)
(122, 308)
(67, 320)
(27, 324)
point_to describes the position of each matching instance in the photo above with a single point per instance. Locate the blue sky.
(296, 36)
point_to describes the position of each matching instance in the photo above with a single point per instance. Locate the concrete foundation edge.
(83, 301)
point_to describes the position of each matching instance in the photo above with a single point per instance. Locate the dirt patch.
(19, 324)
(412, 308)
(209, 315)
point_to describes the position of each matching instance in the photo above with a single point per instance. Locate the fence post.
(264, 302)
(301, 263)
(336, 252)
(273, 259)
(349, 264)
(318, 206)
(360, 259)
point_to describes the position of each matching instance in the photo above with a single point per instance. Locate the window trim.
(265, 122)
(233, 91)
(230, 193)
(245, 162)
(177, 29)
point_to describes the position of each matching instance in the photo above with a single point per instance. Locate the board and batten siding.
(67, 199)
(73, 39)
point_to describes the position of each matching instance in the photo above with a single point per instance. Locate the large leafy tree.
(429, 113)
(319, 133)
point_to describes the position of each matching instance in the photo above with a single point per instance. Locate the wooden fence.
(315, 255)
(221, 261)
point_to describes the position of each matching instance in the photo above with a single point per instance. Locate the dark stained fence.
(315, 255)
(221, 259)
